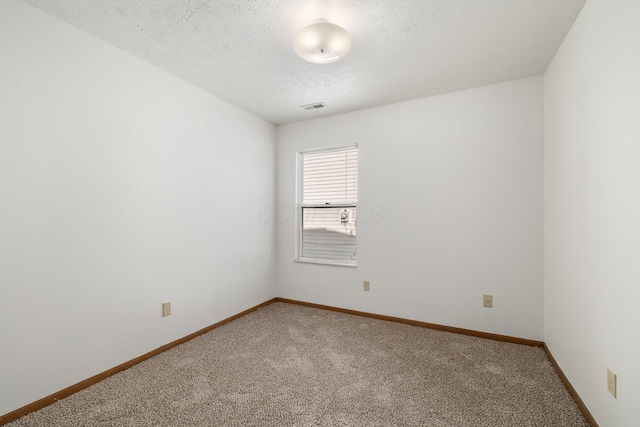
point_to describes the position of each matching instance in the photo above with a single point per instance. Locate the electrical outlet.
(612, 381)
(166, 308)
(487, 301)
(365, 285)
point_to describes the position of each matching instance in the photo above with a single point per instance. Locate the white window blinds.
(330, 177)
(329, 197)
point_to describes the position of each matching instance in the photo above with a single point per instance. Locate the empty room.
(320, 213)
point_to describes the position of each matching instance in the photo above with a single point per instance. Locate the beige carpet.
(288, 365)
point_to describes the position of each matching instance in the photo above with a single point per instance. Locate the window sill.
(352, 264)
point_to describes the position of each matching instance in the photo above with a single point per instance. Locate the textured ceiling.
(241, 50)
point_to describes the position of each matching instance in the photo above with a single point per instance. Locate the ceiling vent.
(314, 106)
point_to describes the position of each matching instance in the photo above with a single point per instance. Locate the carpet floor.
(289, 365)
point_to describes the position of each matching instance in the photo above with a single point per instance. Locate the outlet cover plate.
(365, 286)
(166, 308)
(612, 381)
(487, 301)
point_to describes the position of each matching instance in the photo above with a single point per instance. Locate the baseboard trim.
(487, 335)
(59, 395)
(592, 422)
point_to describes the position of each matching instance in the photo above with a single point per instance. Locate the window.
(327, 201)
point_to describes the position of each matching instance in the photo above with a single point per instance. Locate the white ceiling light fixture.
(322, 42)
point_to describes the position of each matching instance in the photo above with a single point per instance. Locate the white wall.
(121, 187)
(450, 208)
(592, 208)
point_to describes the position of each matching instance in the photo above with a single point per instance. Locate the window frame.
(300, 206)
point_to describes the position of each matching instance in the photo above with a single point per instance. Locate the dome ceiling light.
(322, 42)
